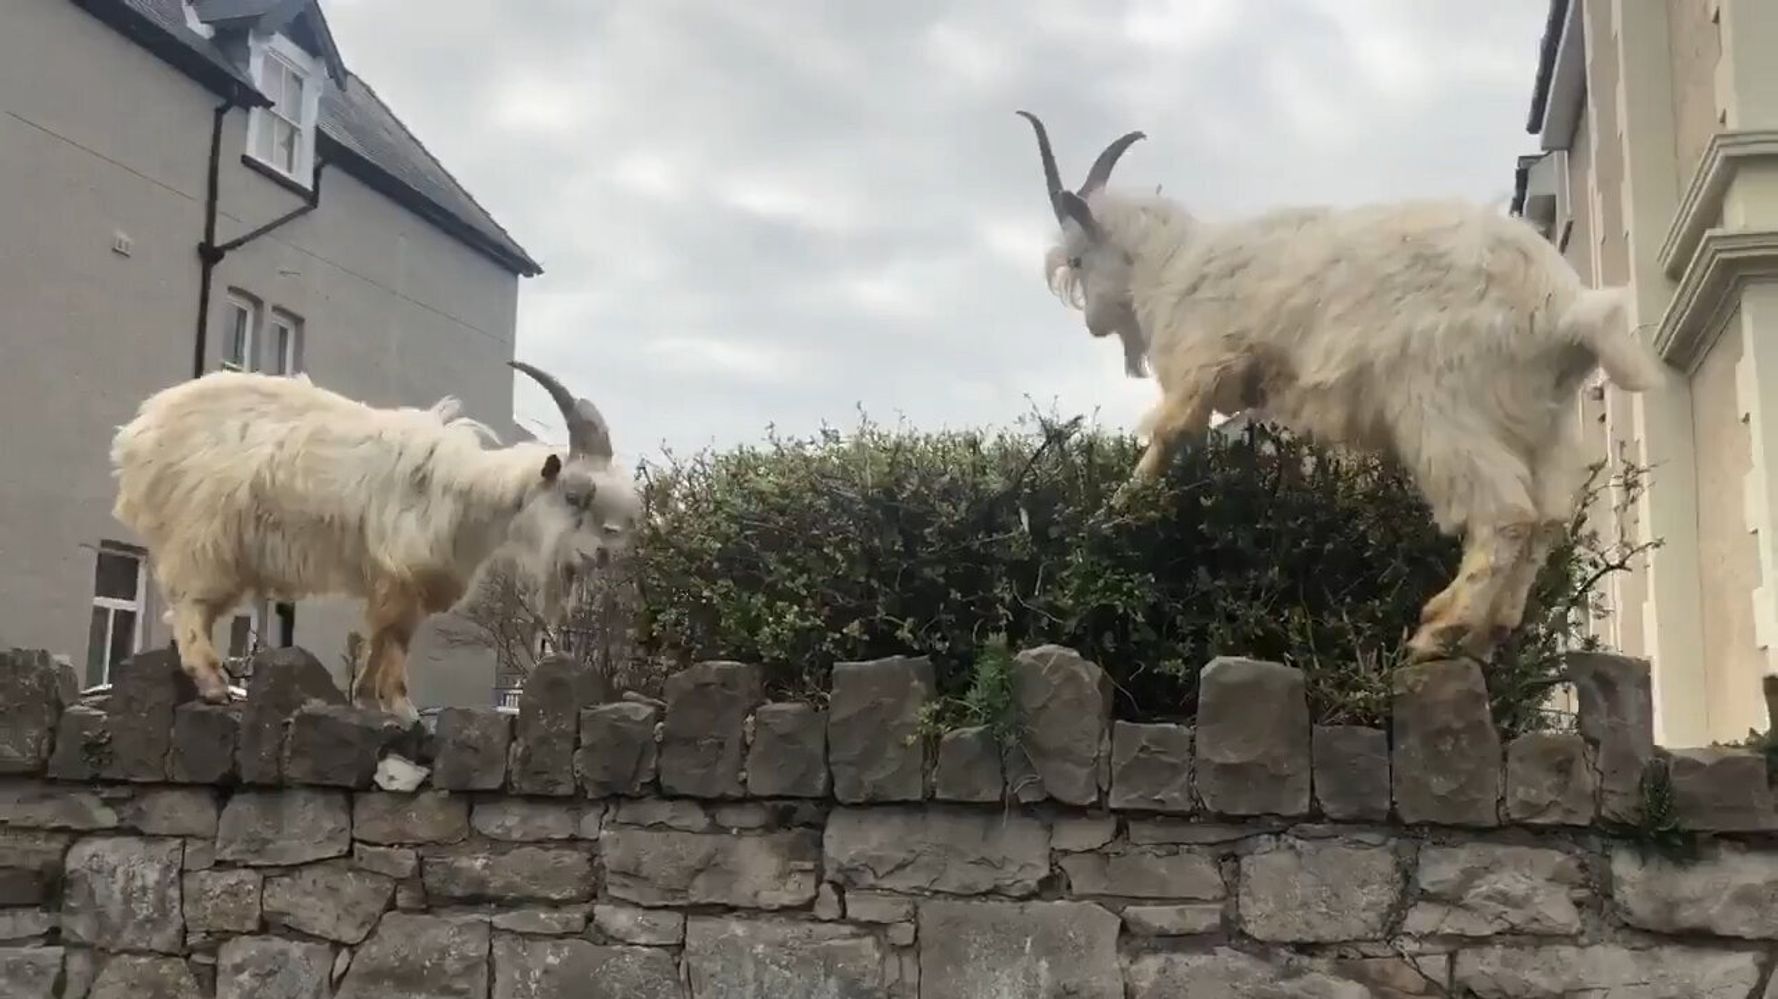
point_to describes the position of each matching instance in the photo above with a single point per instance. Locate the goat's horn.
(1051, 176)
(1101, 170)
(587, 433)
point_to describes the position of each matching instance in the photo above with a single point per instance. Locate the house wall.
(1696, 45)
(394, 310)
(1728, 559)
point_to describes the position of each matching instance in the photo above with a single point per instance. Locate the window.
(285, 343)
(261, 626)
(283, 136)
(254, 341)
(241, 323)
(115, 632)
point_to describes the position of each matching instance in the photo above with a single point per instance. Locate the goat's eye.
(1074, 262)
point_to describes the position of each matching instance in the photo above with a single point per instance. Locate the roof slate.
(356, 120)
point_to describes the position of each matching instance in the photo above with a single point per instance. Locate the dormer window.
(282, 136)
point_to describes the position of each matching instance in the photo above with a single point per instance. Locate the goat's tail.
(1598, 319)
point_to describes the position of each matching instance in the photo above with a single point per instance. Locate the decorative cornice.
(1701, 205)
(1710, 290)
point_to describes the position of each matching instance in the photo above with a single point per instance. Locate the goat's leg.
(1183, 413)
(1464, 614)
(194, 621)
(1509, 609)
(394, 614)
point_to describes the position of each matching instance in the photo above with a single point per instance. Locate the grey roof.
(358, 132)
(229, 10)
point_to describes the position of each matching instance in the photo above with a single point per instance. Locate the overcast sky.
(775, 212)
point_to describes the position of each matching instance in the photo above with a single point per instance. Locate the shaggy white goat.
(273, 486)
(1453, 339)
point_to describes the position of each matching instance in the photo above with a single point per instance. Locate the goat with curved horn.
(587, 431)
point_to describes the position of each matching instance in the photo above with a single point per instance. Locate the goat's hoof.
(1434, 642)
(212, 688)
(404, 710)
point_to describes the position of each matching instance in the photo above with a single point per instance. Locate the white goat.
(273, 486)
(1450, 338)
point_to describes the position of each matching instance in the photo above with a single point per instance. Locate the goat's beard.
(1135, 351)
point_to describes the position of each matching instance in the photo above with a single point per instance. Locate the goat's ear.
(551, 466)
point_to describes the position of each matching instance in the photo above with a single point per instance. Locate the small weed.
(987, 701)
(1656, 826)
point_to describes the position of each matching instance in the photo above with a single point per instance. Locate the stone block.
(551, 922)
(1318, 891)
(516, 820)
(1077, 833)
(633, 925)
(177, 811)
(222, 901)
(1605, 970)
(942, 848)
(873, 747)
(702, 742)
(1225, 971)
(412, 956)
(665, 867)
(663, 813)
(521, 874)
(729, 958)
(388, 819)
(206, 743)
(788, 758)
(1727, 891)
(336, 745)
(284, 679)
(1615, 701)
(1172, 920)
(968, 767)
(473, 744)
(31, 804)
(333, 901)
(526, 968)
(398, 862)
(1151, 767)
(1721, 790)
(273, 968)
(543, 741)
(30, 972)
(1019, 949)
(131, 976)
(1550, 780)
(1145, 872)
(618, 754)
(1351, 772)
(876, 907)
(124, 893)
(281, 828)
(145, 689)
(1064, 712)
(24, 926)
(30, 865)
(82, 745)
(1446, 764)
(1253, 749)
(1485, 889)
(31, 702)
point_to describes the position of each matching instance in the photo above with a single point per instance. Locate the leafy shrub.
(802, 552)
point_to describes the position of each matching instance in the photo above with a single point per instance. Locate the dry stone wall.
(718, 846)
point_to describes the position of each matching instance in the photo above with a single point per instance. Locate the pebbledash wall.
(718, 847)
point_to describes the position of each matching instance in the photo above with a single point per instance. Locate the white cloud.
(772, 213)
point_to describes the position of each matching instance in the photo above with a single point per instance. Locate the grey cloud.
(758, 214)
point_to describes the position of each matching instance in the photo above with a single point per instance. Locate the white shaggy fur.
(272, 486)
(1451, 338)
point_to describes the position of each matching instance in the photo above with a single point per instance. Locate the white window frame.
(289, 354)
(281, 49)
(249, 359)
(255, 614)
(136, 605)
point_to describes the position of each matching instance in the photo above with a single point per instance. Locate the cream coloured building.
(1657, 124)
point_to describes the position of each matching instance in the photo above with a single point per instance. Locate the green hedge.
(802, 552)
